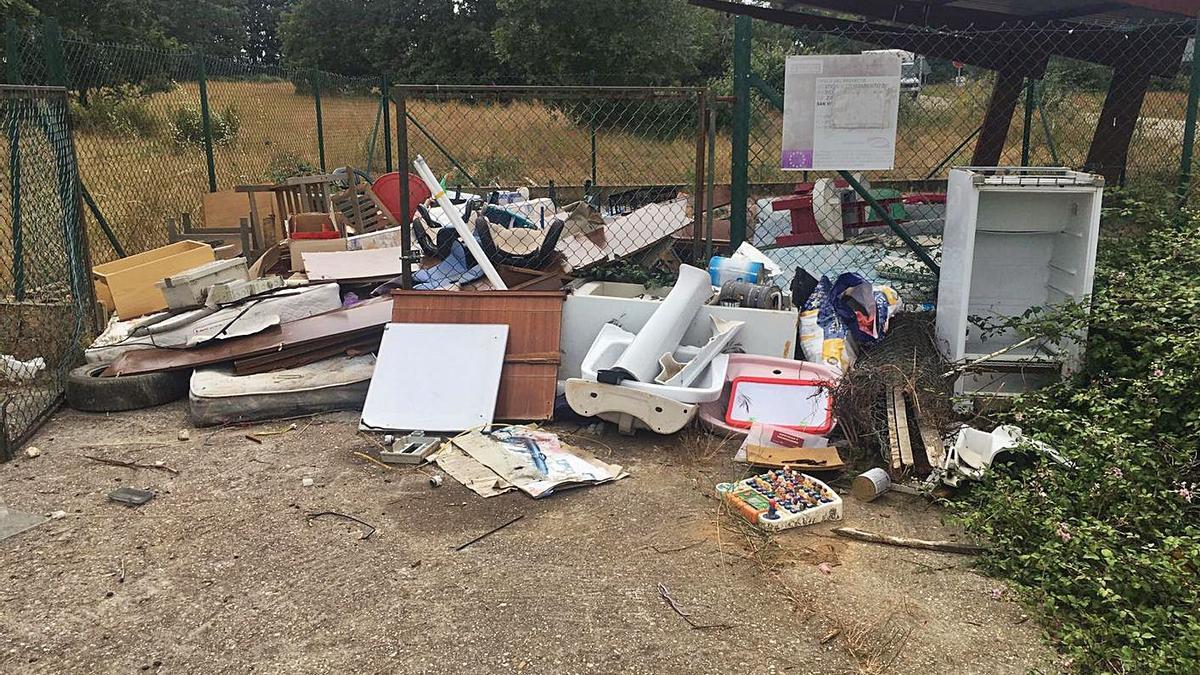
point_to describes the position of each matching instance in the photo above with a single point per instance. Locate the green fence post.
(12, 55)
(1028, 126)
(1189, 125)
(206, 121)
(739, 190)
(316, 87)
(53, 46)
(385, 92)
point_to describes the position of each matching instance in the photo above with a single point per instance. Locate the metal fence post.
(1189, 125)
(12, 56)
(1028, 125)
(206, 121)
(699, 184)
(405, 217)
(53, 46)
(384, 91)
(316, 87)
(739, 190)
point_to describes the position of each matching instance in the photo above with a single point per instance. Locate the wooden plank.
(378, 263)
(893, 435)
(1118, 119)
(935, 451)
(998, 118)
(905, 443)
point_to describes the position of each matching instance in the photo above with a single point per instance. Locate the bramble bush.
(1109, 551)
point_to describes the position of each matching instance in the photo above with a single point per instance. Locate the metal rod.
(946, 160)
(506, 90)
(765, 88)
(206, 122)
(701, 165)
(1027, 127)
(739, 189)
(386, 94)
(891, 223)
(711, 174)
(316, 87)
(441, 149)
(1189, 125)
(592, 133)
(405, 214)
(374, 135)
(101, 221)
(12, 107)
(1046, 130)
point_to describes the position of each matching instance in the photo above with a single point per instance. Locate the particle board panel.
(534, 320)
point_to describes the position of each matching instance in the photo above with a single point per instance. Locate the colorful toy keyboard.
(783, 498)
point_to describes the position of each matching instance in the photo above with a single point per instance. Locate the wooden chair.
(182, 230)
(301, 194)
(361, 208)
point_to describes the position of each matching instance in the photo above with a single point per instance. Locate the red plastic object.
(821, 428)
(804, 224)
(387, 188)
(326, 234)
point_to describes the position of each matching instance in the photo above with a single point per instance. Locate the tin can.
(870, 484)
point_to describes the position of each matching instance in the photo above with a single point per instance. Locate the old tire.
(87, 390)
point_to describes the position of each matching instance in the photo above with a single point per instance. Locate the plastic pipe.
(456, 220)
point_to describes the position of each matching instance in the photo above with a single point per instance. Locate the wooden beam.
(998, 117)
(1114, 130)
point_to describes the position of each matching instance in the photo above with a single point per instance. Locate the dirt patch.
(222, 572)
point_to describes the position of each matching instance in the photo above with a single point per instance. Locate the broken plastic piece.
(974, 451)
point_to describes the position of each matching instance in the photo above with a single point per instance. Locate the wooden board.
(298, 247)
(228, 207)
(893, 434)
(379, 263)
(534, 318)
(808, 459)
(902, 437)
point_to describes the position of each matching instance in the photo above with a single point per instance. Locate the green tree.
(607, 41)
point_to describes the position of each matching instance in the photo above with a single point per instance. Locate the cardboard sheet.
(534, 461)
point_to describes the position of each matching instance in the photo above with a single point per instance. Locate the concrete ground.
(223, 573)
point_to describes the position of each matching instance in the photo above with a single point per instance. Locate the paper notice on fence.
(535, 461)
(840, 112)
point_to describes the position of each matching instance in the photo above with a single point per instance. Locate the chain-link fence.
(156, 129)
(1022, 103)
(626, 163)
(45, 288)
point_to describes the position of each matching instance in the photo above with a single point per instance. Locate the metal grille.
(45, 291)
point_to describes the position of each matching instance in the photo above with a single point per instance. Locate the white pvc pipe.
(664, 330)
(456, 220)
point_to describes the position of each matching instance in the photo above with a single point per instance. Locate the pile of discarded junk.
(297, 298)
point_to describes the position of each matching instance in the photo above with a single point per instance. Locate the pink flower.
(825, 568)
(1063, 533)
(1018, 416)
(1157, 372)
(997, 593)
(1188, 492)
(1115, 472)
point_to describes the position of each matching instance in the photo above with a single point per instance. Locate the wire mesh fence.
(45, 288)
(584, 175)
(1031, 106)
(147, 121)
